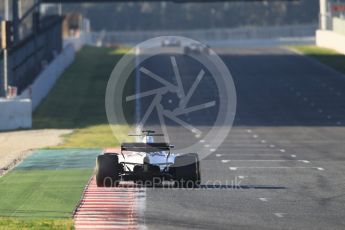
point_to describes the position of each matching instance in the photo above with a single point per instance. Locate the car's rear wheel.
(186, 170)
(107, 170)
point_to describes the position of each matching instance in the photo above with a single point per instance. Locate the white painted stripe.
(91, 213)
(118, 222)
(108, 203)
(110, 208)
(272, 167)
(304, 161)
(99, 226)
(269, 160)
(263, 199)
(279, 214)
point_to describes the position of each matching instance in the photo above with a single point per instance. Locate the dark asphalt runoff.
(286, 151)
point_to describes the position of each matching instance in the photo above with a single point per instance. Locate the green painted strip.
(47, 184)
(60, 159)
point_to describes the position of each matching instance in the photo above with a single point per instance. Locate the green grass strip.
(77, 101)
(47, 184)
(42, 193)
(327, 56)
(43, 224)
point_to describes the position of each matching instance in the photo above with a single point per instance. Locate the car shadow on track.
(218, 187)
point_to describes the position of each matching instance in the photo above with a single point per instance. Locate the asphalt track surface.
(286, 151)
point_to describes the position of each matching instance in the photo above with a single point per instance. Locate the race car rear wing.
(146, 147)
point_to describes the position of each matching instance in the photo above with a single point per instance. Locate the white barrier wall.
(339, 26)
(205, 35)
(331, 40)
(15, 114)
(47, 78)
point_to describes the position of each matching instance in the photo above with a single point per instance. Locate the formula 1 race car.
(148, 164)
(171, 42)
(196, 48)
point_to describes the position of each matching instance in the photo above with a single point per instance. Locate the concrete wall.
(222, 34)
(331, 40)
(15, 114)
(47, 78)
(339, 26)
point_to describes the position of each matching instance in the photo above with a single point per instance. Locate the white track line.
(278, 167)
(254, 160)
(279, 214)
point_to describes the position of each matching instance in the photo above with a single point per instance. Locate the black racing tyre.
(186, 170)
(107, 170)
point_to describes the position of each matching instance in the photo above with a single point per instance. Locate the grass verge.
(41, 193)
(77, 101)
(43, 190)
(14, 223)
(327, 56)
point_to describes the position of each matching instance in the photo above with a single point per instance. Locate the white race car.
(196, 48)
(148, 164)
(171, 42)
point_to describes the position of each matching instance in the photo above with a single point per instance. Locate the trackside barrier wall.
(15, 114)
(331, 40)
(205, 35)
